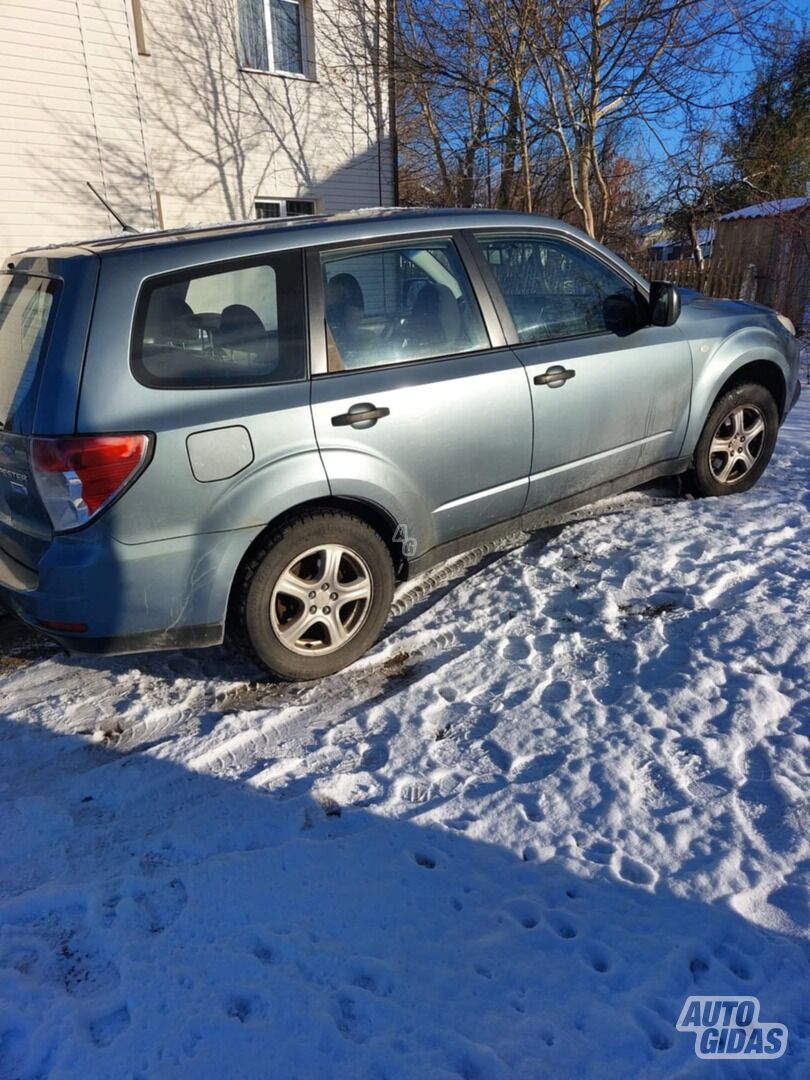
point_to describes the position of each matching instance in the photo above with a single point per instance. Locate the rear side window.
(240, 326)
(26, 306)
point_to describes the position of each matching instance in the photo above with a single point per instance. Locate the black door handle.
(368, 416)
(554, 376)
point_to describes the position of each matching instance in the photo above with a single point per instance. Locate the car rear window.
(238, 325)
(26, 307)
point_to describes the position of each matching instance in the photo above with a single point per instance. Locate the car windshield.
(25, 309)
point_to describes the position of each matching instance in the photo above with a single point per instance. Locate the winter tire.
(314, 596)
(737, 441)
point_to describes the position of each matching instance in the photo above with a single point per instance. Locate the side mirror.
(623, 313)
(665, 303)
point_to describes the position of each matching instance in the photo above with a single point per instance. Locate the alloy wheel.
(737, 444)
(321, 599)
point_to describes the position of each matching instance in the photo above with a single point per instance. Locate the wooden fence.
(718, 276)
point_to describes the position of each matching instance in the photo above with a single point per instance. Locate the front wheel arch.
(763, 372)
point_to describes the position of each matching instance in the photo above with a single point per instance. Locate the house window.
(272, 37)
(279, 208)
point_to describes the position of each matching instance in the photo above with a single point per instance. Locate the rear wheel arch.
(373, 515)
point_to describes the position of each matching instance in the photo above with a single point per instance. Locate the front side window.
(555, 290)
(233, 327)
(395, 303)
(271, 35)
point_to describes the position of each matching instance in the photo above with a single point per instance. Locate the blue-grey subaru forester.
(257, 429)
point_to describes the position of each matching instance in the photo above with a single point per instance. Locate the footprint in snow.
(105, 1029)
(635, 872)
(659, 1037)
(525, 912)
(734, 961)
(515, 648)
(556, 692)
(562, 927)
(374, 978)
(699, 967)
(266, 954)
(245, 1007)
(21, 958)
(462, 822)
(600, 852)
(793, 898)
(538, 768)
(374, 757)
(150, 911)
(422, 859)
(599, 961)
(62, 953)
(608, 693)
(530, 807)
(415, 792)
(351, 1021)
(499, 757)
(766, 805)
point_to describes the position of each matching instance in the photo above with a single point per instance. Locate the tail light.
(77, 476)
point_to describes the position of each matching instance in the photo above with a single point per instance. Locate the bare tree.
(572, 74)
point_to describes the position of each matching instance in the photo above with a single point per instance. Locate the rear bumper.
(15, 576)
(165, 594)
(183, 637)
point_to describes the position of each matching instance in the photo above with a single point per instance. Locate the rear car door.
(443, 433)
(610, 394)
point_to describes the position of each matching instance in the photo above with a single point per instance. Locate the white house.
(182, 111)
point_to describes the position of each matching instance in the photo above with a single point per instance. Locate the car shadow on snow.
(157, 921)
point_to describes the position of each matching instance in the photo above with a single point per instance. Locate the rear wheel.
(737, 441)
(315, 596)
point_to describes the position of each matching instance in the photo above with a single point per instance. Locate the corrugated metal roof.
(768, 209)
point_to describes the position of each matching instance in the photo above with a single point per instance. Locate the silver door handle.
(555, 376)
(360, 416)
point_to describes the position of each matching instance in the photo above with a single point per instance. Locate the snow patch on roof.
(768, 209)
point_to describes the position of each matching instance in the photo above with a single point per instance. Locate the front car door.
(443, 433)
(610, 394)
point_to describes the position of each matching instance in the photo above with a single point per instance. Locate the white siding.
(77, 103)
(219, 138)
(69, 113)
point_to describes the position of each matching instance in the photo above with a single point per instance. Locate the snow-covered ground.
(568, 790)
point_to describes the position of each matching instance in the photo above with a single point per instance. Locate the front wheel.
(737, 441)
(315, 596)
